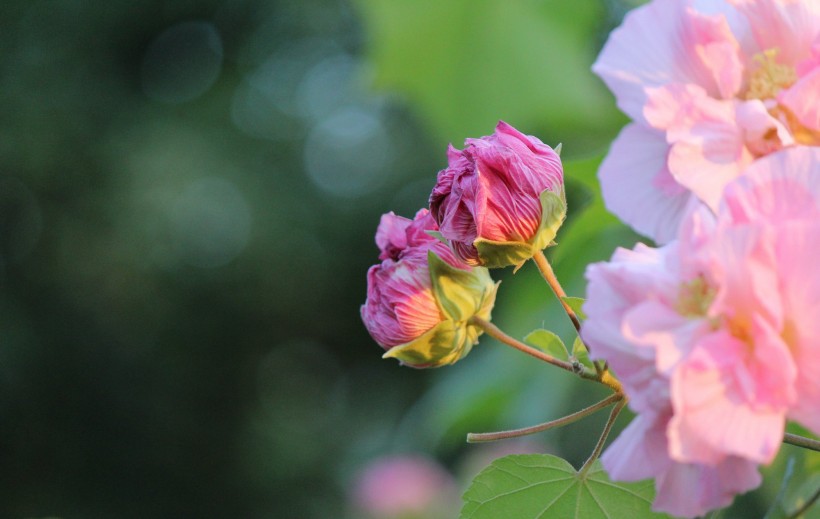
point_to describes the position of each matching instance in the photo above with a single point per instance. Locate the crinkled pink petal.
(391, 235)
(637, 186)
(400, 304)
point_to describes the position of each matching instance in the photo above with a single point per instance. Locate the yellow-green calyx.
(460, 294)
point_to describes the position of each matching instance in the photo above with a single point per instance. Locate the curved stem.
(805, 506)
(802, 441)
(602, 440)
(496, 333)
(566, 420)
(549, 276)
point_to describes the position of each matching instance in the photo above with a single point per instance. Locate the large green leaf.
(468, 63)
(534, 486)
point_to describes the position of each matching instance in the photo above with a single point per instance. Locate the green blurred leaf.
(777, 510)
(580, 352)
(576, 303)
(591, 233)
(540, 485)
(468, 64)
(548, 342)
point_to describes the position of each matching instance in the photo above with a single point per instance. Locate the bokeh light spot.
(210, 223)
(182, 63)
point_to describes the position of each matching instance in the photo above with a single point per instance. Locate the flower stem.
(566, 420)
(496, 333)
(602, 440)
(802, 441)
(549, 276)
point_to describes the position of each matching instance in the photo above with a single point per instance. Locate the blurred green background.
(188, 196)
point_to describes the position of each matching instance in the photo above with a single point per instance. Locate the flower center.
(694, 298)
(769, 77)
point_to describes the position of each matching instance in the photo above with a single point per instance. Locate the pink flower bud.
(396, 487)
(420, 297)
(490, 201)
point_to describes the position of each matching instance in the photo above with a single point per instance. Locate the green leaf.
(553, 213)
(580, 352)
(465, 65)
(576, 303)
(534, 486)
(548, 342)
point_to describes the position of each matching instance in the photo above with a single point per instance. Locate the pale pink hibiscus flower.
(714, 336)
(710, 86)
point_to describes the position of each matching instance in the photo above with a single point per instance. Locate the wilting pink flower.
(395, 487)
(710, 87)
(488, 202)
(714, 336)
(409, 311)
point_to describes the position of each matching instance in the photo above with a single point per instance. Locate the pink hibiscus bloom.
(710, 87)
(714, 336)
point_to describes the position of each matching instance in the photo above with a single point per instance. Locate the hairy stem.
(802, 441)
(566, 420)
(602, 440)
(496, 333)
(549, 276)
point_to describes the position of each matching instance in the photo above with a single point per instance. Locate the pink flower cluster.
(714, 336)
(499, 202)
(711, 86)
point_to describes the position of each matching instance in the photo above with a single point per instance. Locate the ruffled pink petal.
(803, 100)
(690, 490)
(391, 236)
(707, 146)
(797, 255)
(776, 188)
(655, 46)
(718, 50)
(721, 408)
(741, 262)
(639, 452)
(790, 26)
(637, 186)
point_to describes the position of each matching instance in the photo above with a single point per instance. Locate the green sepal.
(437, 235)
(460, 294)
(499, 254)
(444, 344)
(553, 212)
(547, 342)
(576, 303)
